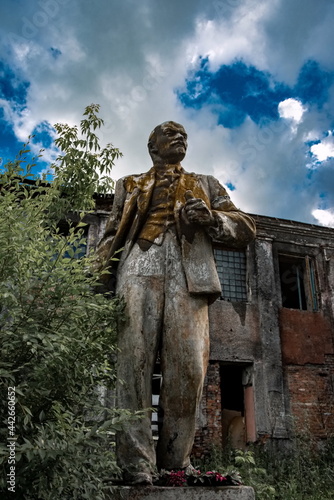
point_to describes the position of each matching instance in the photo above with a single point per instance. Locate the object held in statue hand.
(197, 210)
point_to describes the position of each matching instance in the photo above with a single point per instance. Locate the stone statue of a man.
(165, 220)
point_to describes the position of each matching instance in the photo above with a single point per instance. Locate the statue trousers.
(161, 316)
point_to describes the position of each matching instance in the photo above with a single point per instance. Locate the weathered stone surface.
(186, 493)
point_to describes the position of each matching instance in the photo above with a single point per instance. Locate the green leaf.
(55, 332)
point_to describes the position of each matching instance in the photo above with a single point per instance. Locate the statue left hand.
(197, 211)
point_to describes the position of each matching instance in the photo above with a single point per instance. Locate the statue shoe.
(190, 469)
(138, 478)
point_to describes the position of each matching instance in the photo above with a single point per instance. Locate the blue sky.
(252, 81)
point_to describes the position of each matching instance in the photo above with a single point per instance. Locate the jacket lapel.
(145, 184)
(139, 191)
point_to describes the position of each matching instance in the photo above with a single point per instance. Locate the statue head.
(167, 143)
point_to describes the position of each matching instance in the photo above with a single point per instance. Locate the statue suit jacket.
(131, 204)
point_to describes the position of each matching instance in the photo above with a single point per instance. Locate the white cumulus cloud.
(324, 149)
(291, 109)
(324, 217)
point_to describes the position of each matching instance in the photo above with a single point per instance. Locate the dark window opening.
(231, 388)
(231, 268)
(298, 287)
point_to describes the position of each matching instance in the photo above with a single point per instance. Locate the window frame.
(240, 279)
(307, 287)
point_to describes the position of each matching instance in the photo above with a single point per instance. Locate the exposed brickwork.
(312, 398)
(210, 431)
(306, 337)
(308, 360)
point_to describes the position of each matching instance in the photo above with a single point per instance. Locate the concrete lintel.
(182, 493)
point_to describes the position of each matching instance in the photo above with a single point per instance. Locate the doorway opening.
(237, 396)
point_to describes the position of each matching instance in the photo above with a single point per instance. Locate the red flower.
(177, 478)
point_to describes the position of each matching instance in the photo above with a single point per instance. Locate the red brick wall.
(312, 398)
(308, 360)
(306, 337)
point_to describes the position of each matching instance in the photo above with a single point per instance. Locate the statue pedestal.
(182, 493)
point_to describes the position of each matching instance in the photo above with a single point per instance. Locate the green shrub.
(304, 472)
(57, 339)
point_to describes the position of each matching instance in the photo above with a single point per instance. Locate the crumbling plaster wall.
(291, 350)
(306, 336)
(249, 333)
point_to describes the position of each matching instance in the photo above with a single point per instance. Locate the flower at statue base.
(177, 478)
(194, 477)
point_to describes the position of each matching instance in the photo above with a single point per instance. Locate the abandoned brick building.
(271, 366)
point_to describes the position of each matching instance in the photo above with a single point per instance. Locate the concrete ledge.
(182, 493)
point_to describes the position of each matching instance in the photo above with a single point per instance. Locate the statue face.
(171, 142)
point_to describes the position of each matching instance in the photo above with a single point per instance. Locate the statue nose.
(179, 136)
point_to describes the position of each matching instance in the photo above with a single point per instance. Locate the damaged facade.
(271, 368)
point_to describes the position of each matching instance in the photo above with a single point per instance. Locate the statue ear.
(152, 148)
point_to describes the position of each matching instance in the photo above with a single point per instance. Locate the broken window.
(231, 267)
(298, 283)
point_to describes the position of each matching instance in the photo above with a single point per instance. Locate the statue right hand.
(197, 211)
